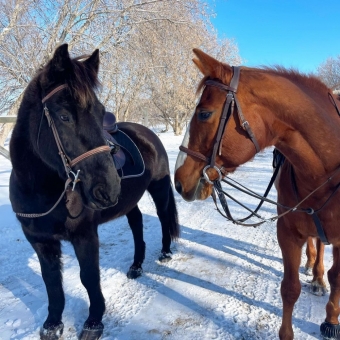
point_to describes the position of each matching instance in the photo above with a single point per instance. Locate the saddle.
(125, 154)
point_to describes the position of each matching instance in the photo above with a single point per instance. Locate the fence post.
(4, 120)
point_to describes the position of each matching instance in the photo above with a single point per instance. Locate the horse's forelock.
(83, 81)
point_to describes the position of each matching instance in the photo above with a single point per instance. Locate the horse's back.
(150, 146)
(156, 168)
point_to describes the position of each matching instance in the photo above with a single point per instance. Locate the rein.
(309, 211)
(67, 162)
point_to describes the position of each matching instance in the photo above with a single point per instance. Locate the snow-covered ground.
(223, 281)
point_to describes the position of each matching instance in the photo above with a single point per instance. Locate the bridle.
(67, 162)
(228, 111)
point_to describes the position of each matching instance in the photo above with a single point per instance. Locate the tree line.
(145, 49)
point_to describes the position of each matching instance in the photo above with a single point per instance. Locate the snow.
(223, 282)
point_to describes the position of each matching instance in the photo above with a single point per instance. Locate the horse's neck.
(32, 175)
(301, 154)
(310, 139)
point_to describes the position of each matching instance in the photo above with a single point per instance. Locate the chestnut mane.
(298, 78)
(307, 80)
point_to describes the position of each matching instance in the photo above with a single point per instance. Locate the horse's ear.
(61, 59)
(93, 61)
(209, 66)
(199, 65)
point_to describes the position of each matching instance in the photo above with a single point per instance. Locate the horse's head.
(66, 128)
(204, 158)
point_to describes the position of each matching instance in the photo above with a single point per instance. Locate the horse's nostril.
(178, 187)
(100, 193)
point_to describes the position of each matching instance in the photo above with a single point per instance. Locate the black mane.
(82, 80)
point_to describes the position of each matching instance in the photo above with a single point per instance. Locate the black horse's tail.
(163, 195)
(172, 209)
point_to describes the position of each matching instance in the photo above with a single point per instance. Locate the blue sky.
(300, 34)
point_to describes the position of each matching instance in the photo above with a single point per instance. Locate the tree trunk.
(178, 128)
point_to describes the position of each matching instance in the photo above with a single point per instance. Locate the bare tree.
(173, 82)
(31, 29)
(137, 40)
(329, 72)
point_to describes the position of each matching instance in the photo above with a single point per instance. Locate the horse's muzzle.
(103, 197)
(196, 193)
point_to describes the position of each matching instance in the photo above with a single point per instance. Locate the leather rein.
(67, 162)
(228, 110)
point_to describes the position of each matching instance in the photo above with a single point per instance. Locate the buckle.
(310, 211)
(75, 178)
(245, 124)
(206, 177)
(114, 147)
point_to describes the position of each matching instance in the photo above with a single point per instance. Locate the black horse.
(64, 182)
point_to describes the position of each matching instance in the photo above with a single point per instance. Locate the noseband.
(228, 110)
(67, 162)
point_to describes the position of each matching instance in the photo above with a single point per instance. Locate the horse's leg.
(49, 254)
(162, 195)
(291, 248)
(330, 329)
(318, 285)
(135, 220)
(86, 246)
(311, 256)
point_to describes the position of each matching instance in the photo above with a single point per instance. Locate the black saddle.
(126, 156)
(110, 122)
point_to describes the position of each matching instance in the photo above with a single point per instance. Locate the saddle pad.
(134, 164)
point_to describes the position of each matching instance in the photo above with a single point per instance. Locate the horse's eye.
(203, 115)
(64, 118)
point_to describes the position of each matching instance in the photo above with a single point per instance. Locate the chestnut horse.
(297, 114)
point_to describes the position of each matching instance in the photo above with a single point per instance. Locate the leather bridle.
(228, 110)
(67, 162)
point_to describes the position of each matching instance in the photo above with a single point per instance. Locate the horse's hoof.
(309, 271)
(52, 331)
(134, 272)
(165, 257)
(330, 331)
(318, 289)
(92, 331)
